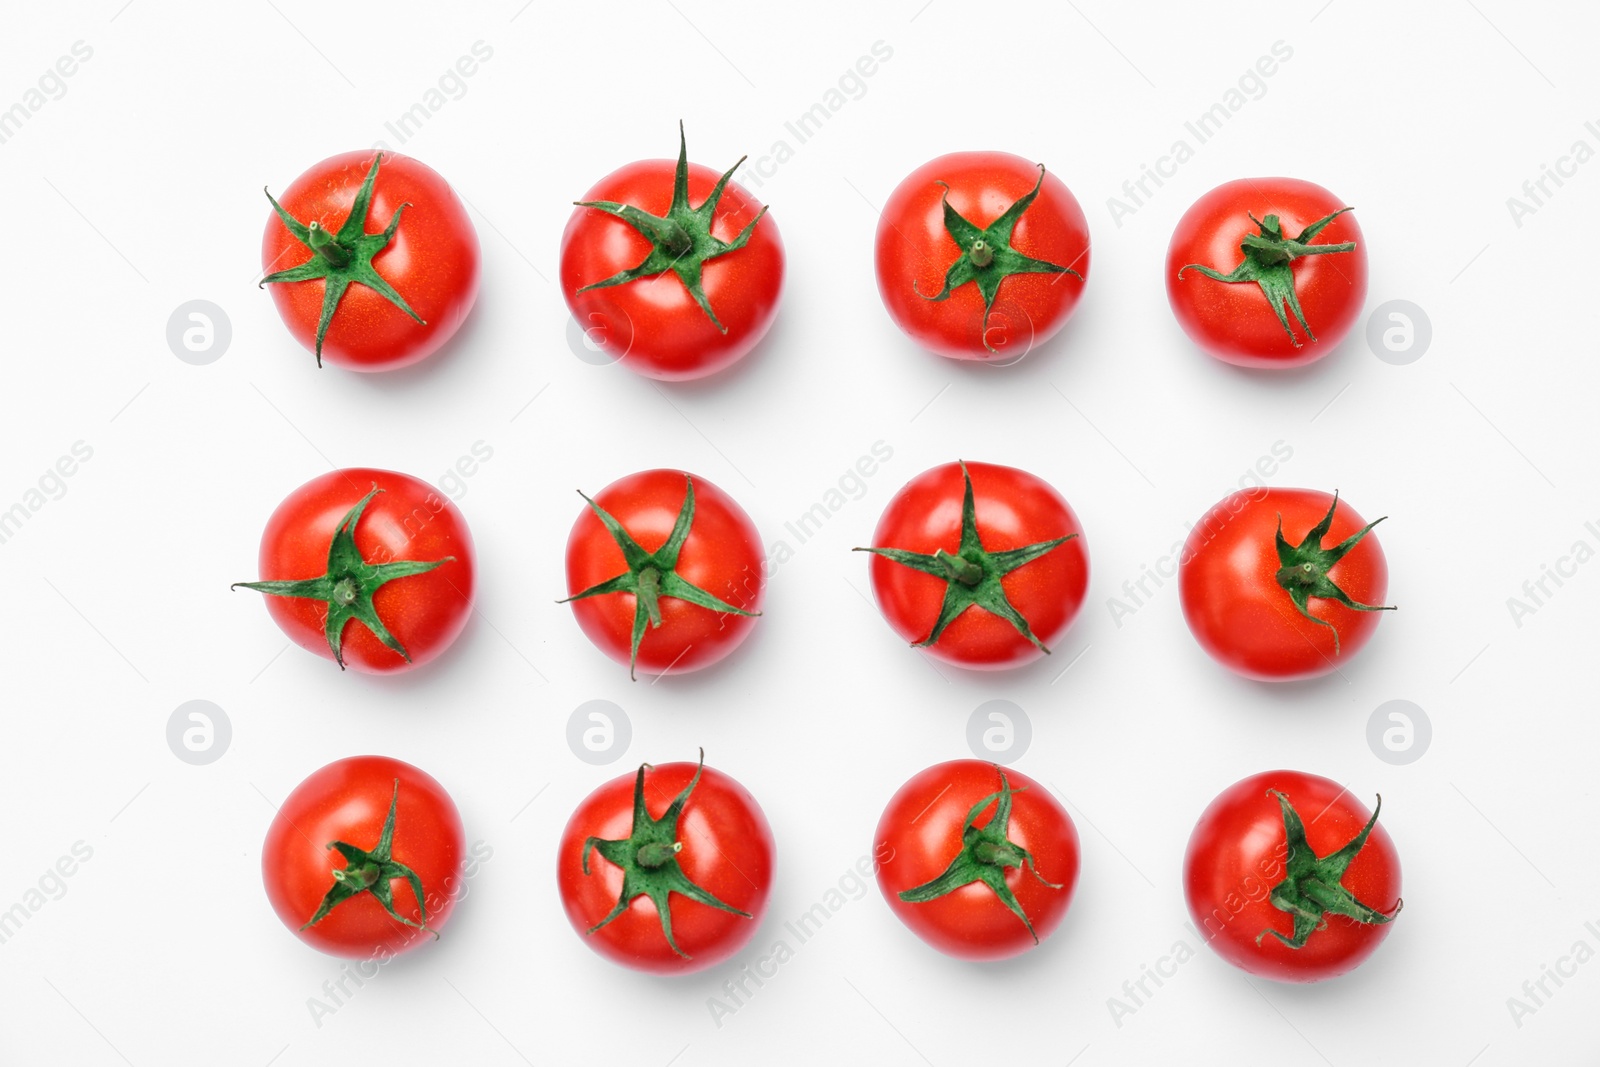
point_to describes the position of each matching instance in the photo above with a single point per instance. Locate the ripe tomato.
(1286, 858)
(979, 536)
(364, 858)
(665, 572)
(979, 861)
(1282, 584)
(981, 255)
(635, 227)
(371, 260)
(668, 870)
(1258, 259)
(369, 568)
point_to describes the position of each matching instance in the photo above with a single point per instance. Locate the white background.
(139, 189)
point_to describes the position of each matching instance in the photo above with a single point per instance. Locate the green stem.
(650, 593)
(980, 253)
(959, 569)
(995, 854)
(325, 246)
(657, 854)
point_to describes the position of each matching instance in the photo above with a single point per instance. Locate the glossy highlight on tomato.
(429, 262)
(351, 802)
(1241, 859)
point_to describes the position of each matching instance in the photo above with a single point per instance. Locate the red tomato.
(971, 266)
(1276, 611)
(1292, 295)
(634, 228)
(370, 568)
(985, 573)
(361, 832)
(979, 861)
(428, 264)
(702, 846)
(1281, 857)
(680, 587)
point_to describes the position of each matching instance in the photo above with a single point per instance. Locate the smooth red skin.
(722, 555)
(410, 519)
(653, 325)
(914, 251)
(1233, 320)
(727, 850)
(432, 261)
(348, 801)
(1240, 614)
(1235, 857)
(1014, 509)
(920, 833)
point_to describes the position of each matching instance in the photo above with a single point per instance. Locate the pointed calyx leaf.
(973, 574)
(653, 575)
(986, 853)
(344, 257)
(648, 859)
(349, 584)
(1268, 256)
(374, 872)
(1311, 889)
(682, 239)
(987, 258)
(1303, 568)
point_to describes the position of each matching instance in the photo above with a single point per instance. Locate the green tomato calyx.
(972, 574)
(349, 584)
(1268, 259)
(343, 258)
(374, 872)
(1311, 889)
(987, 258)
(653, 575)
(1303, 568)
(648, 859)
(682, 238)
(986, 854)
